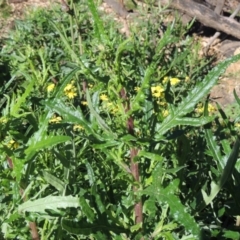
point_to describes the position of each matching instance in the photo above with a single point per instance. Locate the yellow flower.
(69, 86)
(165, 80)
(84, 103)
(50, 87)
(78, 127)
(162, 103)
(187, 79)
(55, 119)
(157, 91)
(90, 85)
(103, 97)
(114, 110)
(12, 144)
(174, 81)
(71, 94)
(137, 89)
(70, 90)
(200, 108)
(211, 108)
(237, 125)
(165, 113)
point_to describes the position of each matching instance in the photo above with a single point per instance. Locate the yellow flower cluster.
(157, 91)
(12, 144)
(78, 127)
(104, 97)
(200, 108)
(173, 81)
(237, 125)
(84, 103)
(50, 87)
(55, 119)
(110, 106)
(70, 90)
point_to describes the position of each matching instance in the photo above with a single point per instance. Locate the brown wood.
(194, 8)
(206, 16)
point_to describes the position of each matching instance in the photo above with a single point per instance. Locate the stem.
(32, 225)
(133, 153)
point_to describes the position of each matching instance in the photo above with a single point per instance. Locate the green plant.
(102, 136)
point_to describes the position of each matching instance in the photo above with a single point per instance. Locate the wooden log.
(206, 16)
(193, 8)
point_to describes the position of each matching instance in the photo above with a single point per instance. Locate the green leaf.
(215, 188)
(167, 195)
(21, 100)
(140, 97)
(214, 148)
(48, 142)
(195, 122)
(84, 228)
(18, 167)
(71, 116)
(98, 24)
(100, 121)
(152, 156)
(187, 105)
(230, 163)
(231, 234)
(90, 172)
(136, 227)
(236, 97)
(227, 171)
(86, 209)
(50, 202)
(54, 181)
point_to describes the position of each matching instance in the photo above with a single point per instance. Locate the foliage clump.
(107, 136)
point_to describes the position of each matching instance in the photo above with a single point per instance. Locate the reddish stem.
(133, 153)
(32, 225)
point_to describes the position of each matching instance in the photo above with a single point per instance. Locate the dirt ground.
(224, 47)
(15, 9)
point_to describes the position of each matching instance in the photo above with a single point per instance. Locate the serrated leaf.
(230, 163)
(50, 202)
(90, 172)
(98, 200)
(54, 181)
(21, 100)
(69, 115)
(215, 188)
(195, 122)
(100, 121)
(177, 210)
(136, 227)
(18, 167)
(214, 148)
(151, 156)
(48, 142)
(227, 171)
(187, 105)
(98, 23)
(86, 209)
